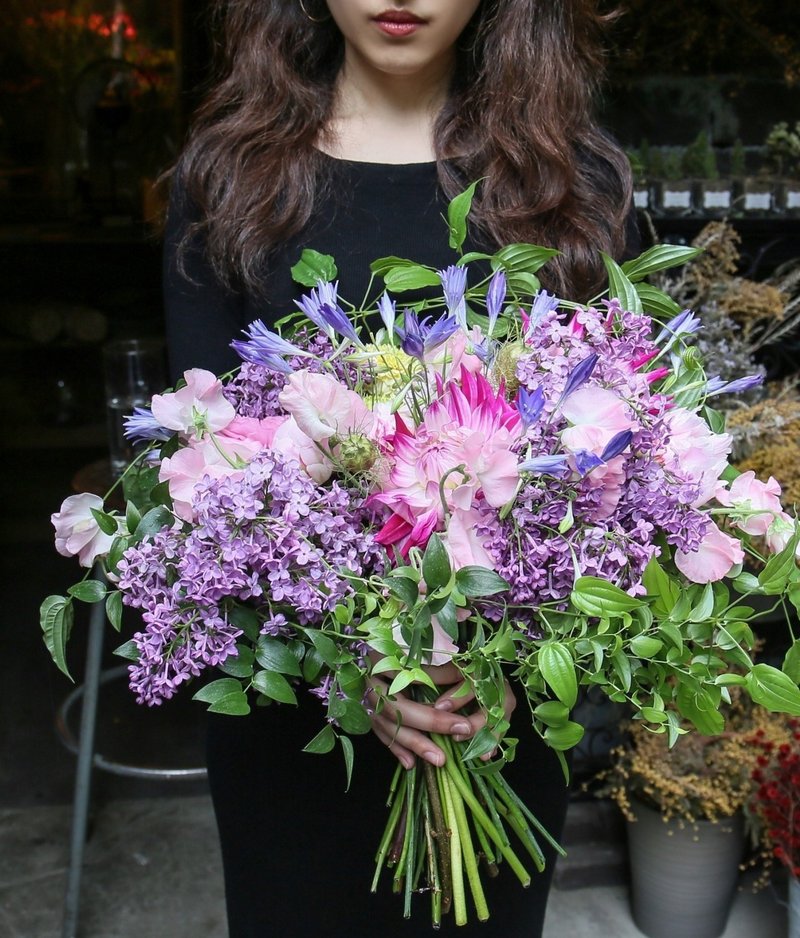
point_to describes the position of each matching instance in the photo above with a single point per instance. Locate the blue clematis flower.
(530, 404)
(142, 426)
(717, 386)
(543, 304)
(454, 282)
(684, 323)
(417, 338)
(321, 306)
(264, 347)
(579, 375)
(495, 297)
(545, 465)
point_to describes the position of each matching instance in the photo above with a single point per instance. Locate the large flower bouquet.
(518, 485)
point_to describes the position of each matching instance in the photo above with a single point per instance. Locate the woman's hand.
(404, 725)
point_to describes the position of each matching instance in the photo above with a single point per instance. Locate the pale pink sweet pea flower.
(453, 355)
(747, 493)
(292, 443)
(694, 453)
(251, 428)
(717, 555)
(610, 477)
(77, 532)
(780, 532)
(193, 409)
(323, 407)
(199, 460)
(596, 416)
(463, 544)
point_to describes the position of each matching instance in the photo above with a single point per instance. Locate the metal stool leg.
(83, 774)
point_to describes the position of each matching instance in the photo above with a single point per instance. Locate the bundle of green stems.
(445, 820)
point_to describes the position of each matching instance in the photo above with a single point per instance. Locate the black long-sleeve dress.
(297, 850)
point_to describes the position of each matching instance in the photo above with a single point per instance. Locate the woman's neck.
(385, 118)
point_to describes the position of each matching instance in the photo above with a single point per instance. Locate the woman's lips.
(398, 23)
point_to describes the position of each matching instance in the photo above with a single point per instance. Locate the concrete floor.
(152, 864)
(153, 871)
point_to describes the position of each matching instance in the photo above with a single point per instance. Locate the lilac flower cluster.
(269, 537)
(598, 528)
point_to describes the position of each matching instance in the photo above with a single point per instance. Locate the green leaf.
(272, 654)
(326, 648)
(597, 597)
(234, 705)
(435, 564)
(774, 690)
(383, 265)
(128, 651)
(558, 670)
(323, 742)
(275, 686)
(217, 690)
(88, 591)
(132, 516)
(775, 575)
(659, 585)
(791, 662)
(312, 665)
(658, 257)
(401, 682)
(404, 589)
(622, 668)
(702, 611)
(700, 709)
(656, 302)
(519, 283)
(447, 619)
(56, 617)
(155, 519)
(349, 758)
(644, 646)
(246, 619)
(401, 279)
(714, 418)
(747, 583)
(240, 665)
(523, 258)
(483, 742)
(313, 267)
(118, 547)
(564, 737)
(552, 713)
(620, 287)
(475, 581)
(352, 717)
(106, 522)
(457, 212)
(114, 609)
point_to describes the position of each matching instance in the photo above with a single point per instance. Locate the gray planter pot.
(682, 879)
(794, 907)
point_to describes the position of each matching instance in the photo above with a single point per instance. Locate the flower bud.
(505, 365)
(357, 453)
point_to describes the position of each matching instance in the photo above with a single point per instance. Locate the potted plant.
(639, 160)
(783, 153)
(676, 192)
(775, 804)
(683, 807)
(712, 195)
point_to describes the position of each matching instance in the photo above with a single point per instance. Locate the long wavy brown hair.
(519, 116)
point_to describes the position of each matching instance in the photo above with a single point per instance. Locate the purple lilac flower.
(270, 537)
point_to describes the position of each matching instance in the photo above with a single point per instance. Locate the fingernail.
(408, 763)
(462, 729)
(435, 757)
(443, 705)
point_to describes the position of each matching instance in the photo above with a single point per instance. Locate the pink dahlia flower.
(465, 439)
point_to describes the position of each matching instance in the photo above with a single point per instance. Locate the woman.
(346, 126)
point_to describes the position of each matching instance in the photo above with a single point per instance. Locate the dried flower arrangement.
(775, 802)
(701, 777)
